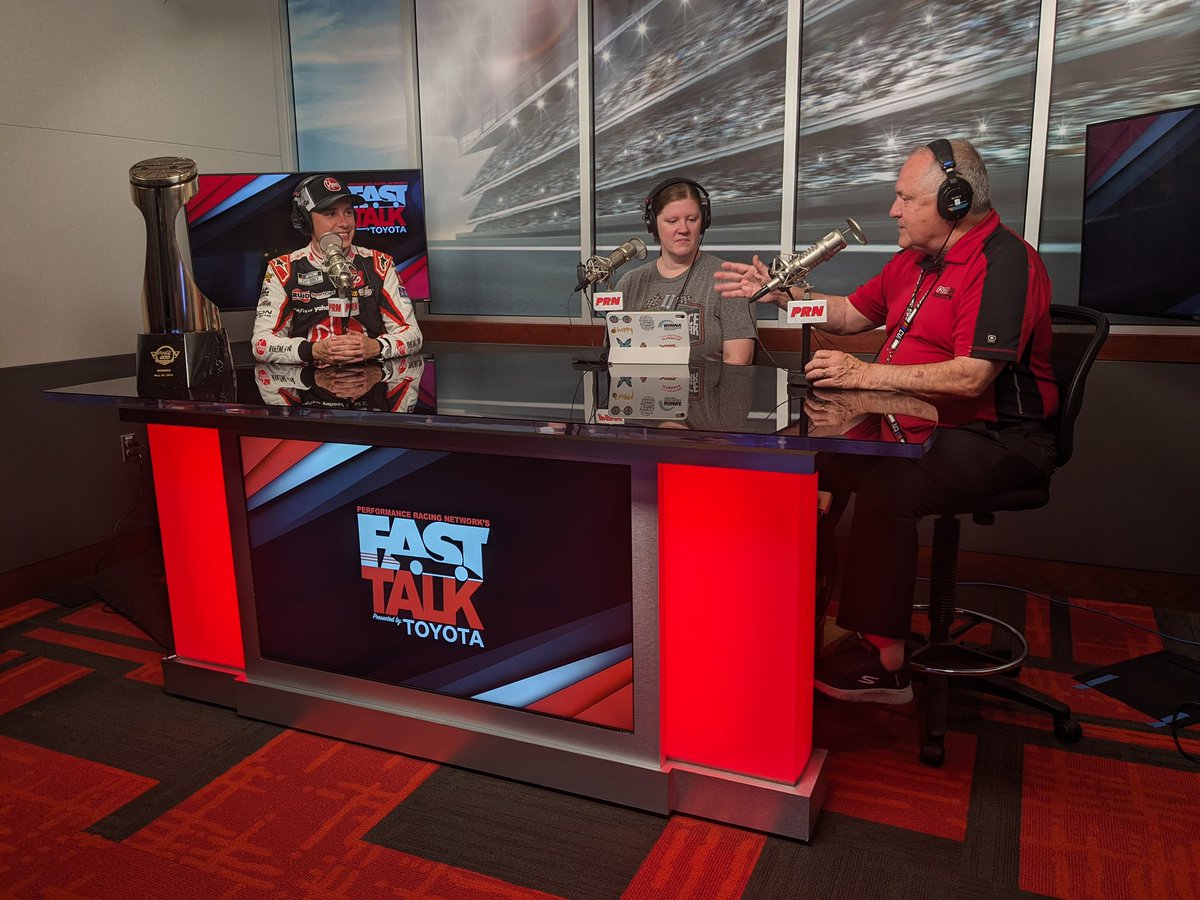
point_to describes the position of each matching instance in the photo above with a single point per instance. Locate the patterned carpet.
(111, 788)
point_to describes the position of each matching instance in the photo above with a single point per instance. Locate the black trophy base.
(190, 365)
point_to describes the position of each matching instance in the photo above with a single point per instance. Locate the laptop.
(652, 336)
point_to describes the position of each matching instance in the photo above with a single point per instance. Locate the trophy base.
(187, 364)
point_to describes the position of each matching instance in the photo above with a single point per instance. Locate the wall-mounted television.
(238, 222)
(1141, 199)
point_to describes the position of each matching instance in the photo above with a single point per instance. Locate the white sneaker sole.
(888, 696)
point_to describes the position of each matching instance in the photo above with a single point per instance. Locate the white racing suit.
(293, 307)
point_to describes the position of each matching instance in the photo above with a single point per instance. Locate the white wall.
(87, 89)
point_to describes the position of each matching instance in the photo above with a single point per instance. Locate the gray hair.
(970, 168)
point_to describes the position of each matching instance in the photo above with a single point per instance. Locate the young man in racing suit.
(294, 324)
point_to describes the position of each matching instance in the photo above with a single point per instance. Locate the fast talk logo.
(382, 210)
(424, 570)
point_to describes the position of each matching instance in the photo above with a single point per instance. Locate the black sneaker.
(857, 675)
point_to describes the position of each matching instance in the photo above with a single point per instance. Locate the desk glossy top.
(557, 391)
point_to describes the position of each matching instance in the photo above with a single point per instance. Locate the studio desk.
(515, 561)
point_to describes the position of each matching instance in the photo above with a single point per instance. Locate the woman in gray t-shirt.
(677, 213)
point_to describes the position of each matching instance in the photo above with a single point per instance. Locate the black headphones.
(955, 195)
(301, 217)
(649, 217)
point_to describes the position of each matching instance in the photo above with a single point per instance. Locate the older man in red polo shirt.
(965, 304)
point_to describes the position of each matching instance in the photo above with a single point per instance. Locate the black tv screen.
(1141, 197)
(237, 223)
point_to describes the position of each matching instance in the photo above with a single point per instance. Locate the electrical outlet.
(128, 447)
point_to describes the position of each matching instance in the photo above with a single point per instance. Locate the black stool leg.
(941, 652)
(943, 580)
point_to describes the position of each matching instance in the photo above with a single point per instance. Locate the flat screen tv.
(237, 223)
(1141, 198)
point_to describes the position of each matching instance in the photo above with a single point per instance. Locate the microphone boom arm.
(792, 271)
(602, 267)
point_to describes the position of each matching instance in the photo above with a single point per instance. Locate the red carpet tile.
(99, 618)
(1093, 827)
(47, 800)
(95, 645)
(875, 774)
(1099, 641)
(34, 679)
(1037, 626)
(289, 821)
(1153, 738)
(219, 806)
(150, 673)
(697, 860)
(11, 615)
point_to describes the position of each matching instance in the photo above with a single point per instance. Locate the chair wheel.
(933, 754)
(1067, 730)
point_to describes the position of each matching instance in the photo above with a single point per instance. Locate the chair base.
(951, 662)
(945, 655)
(985, 670)
(933, 751)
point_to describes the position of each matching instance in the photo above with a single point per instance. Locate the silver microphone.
(788, 271)
(600, 268)
(340, 269)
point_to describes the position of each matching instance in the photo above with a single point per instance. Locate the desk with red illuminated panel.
(518, 578)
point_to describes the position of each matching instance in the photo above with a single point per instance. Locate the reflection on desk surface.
(539, 389)
(390, 385)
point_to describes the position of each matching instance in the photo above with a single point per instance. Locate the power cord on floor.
(1062, 602)
(141, 453)
(1180, 714)
(107, 607)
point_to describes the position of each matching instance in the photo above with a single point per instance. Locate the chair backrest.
(1079, 333)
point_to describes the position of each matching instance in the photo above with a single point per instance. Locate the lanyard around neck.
(915, 302)
(910, 313)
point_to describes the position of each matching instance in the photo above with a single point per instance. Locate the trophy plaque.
(183, 346)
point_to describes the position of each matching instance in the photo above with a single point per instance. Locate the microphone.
(787, 271)
(340, 269)
(600, 268)
(342, 274)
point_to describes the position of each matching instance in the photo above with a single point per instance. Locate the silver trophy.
(183, 346)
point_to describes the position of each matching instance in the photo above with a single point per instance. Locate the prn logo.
(424, 571)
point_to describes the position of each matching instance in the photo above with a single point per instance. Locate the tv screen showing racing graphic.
(458, 573)
(237, 223)
(1143, 188)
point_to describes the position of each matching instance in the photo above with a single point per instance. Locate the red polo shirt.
(991, 300)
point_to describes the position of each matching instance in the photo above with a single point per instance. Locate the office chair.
(946, 654)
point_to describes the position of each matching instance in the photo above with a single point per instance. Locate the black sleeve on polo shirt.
(1002, 301)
